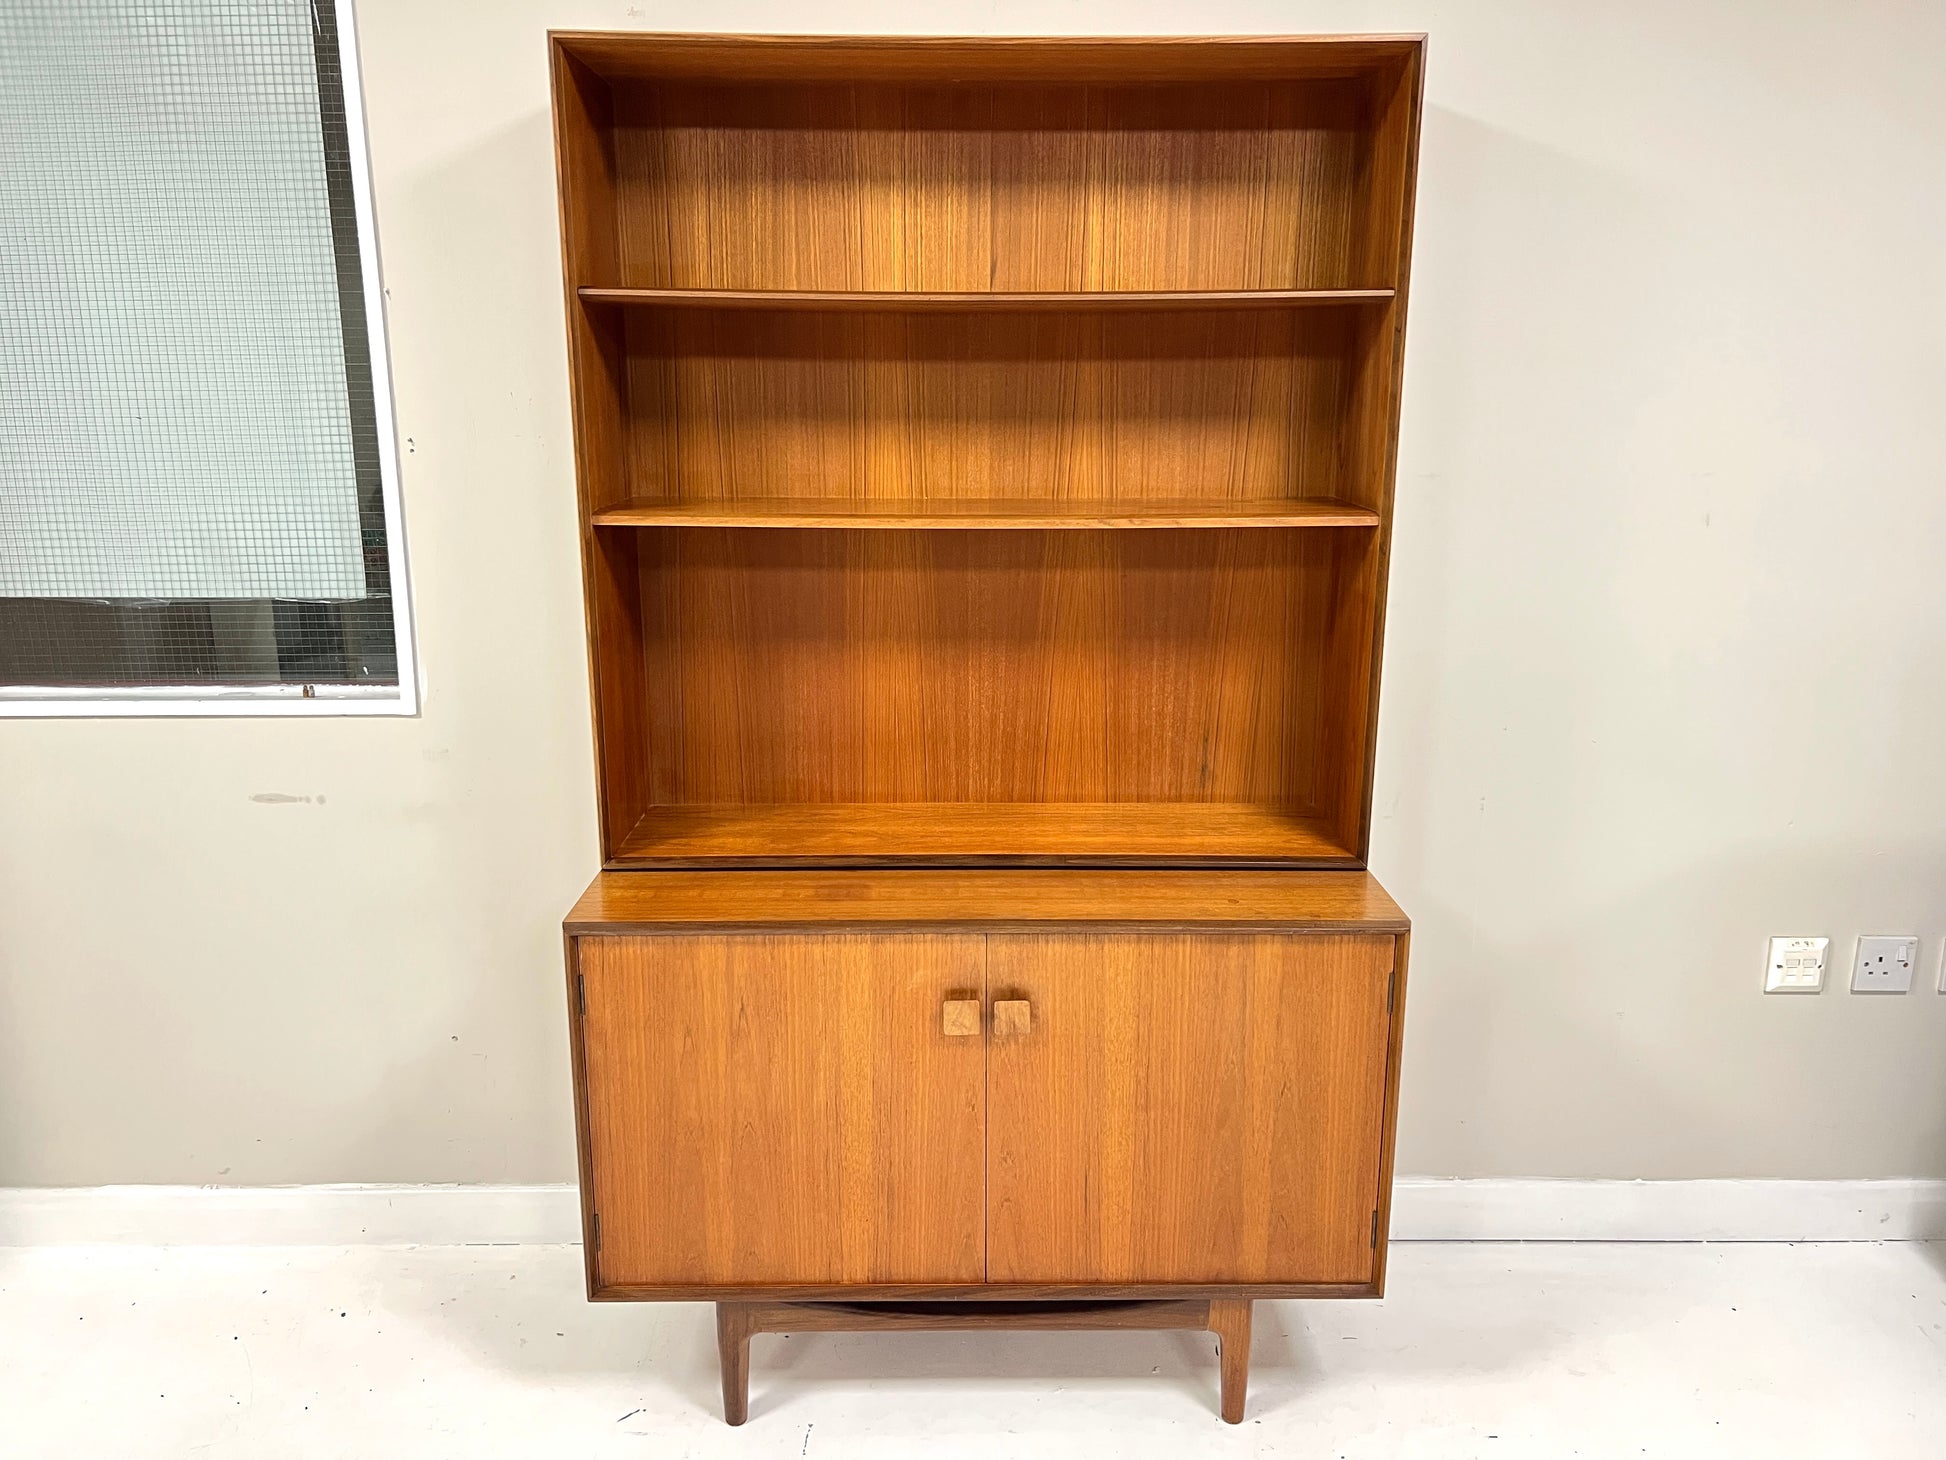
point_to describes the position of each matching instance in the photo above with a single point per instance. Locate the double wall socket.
(1884, 965)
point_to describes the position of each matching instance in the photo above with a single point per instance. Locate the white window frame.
(56, 701)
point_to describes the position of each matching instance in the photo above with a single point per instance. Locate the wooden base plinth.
(1227, 1318)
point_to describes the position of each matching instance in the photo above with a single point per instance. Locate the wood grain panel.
(1389, 1136)
(585, 170)
(881, 186)
(831, 667)
(1216, 406)
(1197, 1109)
(775, 1109)
(1347, 736)
(1372, 437)
(1224, 900)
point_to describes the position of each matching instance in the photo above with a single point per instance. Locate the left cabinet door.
(785, 1109)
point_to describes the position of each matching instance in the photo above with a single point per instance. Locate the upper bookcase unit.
(1012, 292)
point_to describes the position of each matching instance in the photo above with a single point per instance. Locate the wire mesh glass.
(190, 483)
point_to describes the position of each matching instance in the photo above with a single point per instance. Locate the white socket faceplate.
(1796, 965)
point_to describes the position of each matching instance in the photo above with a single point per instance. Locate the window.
(198, 483)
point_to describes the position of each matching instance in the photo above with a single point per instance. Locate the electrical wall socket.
(1796, 966)
(1884, 965)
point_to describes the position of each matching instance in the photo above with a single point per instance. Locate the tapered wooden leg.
(1229, 1320)
(733, 1354)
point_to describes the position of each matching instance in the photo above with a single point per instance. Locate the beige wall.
(1667, 670)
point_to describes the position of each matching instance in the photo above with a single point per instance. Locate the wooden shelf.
(998, 302)
(984, 898)
(975, 833)
(972, 513)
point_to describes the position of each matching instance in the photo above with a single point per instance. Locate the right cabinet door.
(1185, 1108)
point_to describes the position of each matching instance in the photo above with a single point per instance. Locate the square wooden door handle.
(1012, 1016)
(960, 1018)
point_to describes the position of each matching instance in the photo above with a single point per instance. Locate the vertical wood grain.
(1247, 404)
(733, 1328)
(1397, 99)
(1346, 665)
(578, 1077)
(881, 185)
(1229, 1320)
(783, 1109)
(597, 368)
(1389, 1134)
(823, 666)
(1186, 1108)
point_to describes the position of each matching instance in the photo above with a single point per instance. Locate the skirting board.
(1423, 1210)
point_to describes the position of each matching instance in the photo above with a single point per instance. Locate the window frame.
(276, 700)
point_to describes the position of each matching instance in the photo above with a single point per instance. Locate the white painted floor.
(1505, 1351)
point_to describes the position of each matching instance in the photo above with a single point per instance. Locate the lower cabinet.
(1116, 1108)
(1185, 1109)
(784, 1109)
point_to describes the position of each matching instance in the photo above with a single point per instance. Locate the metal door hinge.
(594, 1221)
(1374, 1227)
(581, 993)
(1391, 988)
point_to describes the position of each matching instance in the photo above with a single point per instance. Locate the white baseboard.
(288, 1216)
(1423, 1210)
(1667, 1211)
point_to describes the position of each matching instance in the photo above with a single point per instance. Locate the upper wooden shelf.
(994, 302)
(971, 513)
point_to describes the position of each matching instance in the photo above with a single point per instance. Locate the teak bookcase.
(986, 455)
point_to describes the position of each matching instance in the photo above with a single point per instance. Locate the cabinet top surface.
(619, 902)
(972, 58)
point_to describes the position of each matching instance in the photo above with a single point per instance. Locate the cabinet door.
(785, 1109)
(1185, 1108)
